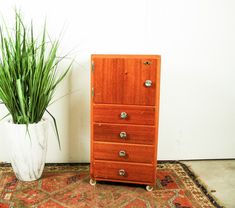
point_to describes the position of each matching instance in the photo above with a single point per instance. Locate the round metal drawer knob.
(123, 115)
(123, 135)
(148, 83)
(122, 153)
(122, 172)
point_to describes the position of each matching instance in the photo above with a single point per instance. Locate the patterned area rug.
(67, 186)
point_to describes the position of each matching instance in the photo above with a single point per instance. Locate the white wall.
(196, 39)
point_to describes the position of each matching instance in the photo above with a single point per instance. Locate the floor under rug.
(67, 186)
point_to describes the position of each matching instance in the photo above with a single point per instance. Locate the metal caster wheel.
(149, 188)
(92, 182)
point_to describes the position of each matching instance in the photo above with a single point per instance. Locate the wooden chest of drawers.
(124, 118)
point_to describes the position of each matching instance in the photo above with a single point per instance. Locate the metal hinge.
(92, 92)
(92, 65)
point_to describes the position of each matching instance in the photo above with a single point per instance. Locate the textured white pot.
(27, 150)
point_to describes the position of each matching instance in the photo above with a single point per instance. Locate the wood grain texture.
(133, 172)
(118, 82)
(91, 122)
(157, 105)
(126, 56)
(117, 79)
(136, 134)
(135, 114)
(134, 153)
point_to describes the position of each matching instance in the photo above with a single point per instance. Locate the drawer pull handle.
(122, 172)
(148, 83)
(123, 115)
(122, 153)
(123, 135)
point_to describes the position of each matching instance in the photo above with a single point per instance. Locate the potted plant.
(28, 79)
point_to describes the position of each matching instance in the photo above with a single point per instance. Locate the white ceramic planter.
(27, 150)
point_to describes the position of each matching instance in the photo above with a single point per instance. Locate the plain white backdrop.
(196, 39)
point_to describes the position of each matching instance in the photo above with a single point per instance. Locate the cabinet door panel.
(136, 73)
(108, 80)
(122, 80)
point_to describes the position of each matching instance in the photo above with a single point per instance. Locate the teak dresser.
(124, 118)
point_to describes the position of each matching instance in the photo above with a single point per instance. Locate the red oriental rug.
(67, 186)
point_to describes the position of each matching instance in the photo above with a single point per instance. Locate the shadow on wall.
(79, 113)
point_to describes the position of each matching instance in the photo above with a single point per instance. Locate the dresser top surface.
(125, 56)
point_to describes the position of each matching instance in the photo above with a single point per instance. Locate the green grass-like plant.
(28, 72)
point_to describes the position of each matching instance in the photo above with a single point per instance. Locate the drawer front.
(124, 114)
(123, 152)
(124, 133)
(124, 172)
(123, 80)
